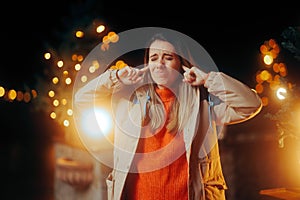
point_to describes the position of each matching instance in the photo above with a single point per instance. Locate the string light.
(271, 75)
(66, 66)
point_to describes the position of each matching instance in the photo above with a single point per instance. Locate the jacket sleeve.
(233, 101)
(98, 90)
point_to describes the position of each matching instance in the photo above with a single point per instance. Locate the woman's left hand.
(194, 76)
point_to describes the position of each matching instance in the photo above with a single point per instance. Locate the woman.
(168, 115)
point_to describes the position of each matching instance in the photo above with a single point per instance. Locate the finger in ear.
(185, 68)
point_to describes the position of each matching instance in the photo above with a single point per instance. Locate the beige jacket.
(230, 102)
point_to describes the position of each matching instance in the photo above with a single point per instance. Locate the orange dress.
(159, 169)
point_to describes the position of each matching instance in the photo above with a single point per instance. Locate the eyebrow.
(165, 53)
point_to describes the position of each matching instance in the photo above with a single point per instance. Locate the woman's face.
(164, 63)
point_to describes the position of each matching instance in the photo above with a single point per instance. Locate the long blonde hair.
(186, 94)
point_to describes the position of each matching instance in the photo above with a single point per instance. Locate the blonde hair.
(180, 109)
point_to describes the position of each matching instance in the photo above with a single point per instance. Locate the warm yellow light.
(66, 123)
(100, 28)
(276, 67)
(120, 64)
(265, 75)
(105, 39)
(265, 101)
(65, 73)
(264, 49)
(281, 93)
(51, 93)
(268, 59)
(272, 42)
(55, 80)
(79, 58)
(55, 102)
(2, 91)
(79, 34)
(96, 64)
(258, 78)
(77, 67)
(113, 37)
(96, 123)
(282, 69)
(92, 69)
(64, 101)
(19, 96)
(47, 56)
(60, 64)
(68, 81)
(74, 57)
(12, 94)
(104, 47)
(27, 97)
(53, 115)
(70, 112)
(34, 93)
(259, 88)
(83, 78)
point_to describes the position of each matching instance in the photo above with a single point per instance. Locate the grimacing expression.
(164, 63)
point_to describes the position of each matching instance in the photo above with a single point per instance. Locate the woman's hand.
(194, 76)
(129, 75)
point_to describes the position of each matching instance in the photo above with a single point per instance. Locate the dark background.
(232, 35)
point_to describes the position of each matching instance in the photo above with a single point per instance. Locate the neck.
(171, 86)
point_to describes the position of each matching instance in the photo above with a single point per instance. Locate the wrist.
(113, 76)
(206, 77)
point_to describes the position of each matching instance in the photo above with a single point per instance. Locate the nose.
(161, 61)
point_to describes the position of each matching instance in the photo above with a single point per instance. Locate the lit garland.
(13, 95)
(57, 97)
(273, 74)
(273, 77)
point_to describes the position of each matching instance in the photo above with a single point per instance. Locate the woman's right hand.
(129, 75)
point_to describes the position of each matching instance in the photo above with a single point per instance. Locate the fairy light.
(272, 74)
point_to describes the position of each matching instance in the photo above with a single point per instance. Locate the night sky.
(231, 34)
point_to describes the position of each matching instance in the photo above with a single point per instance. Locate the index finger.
(144, 69)
(185, 68)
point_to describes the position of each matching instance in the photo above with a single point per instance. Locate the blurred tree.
(291, 40)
